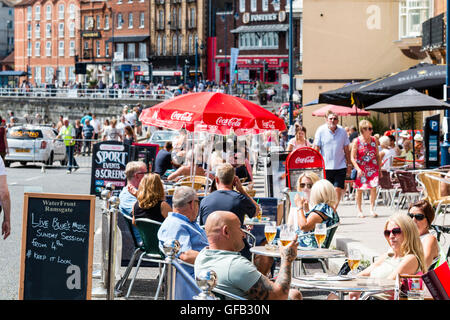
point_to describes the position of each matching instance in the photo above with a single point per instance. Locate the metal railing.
(129, 93)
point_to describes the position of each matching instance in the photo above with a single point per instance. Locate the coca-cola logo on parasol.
(231, 122)
(186, 116)
(268, 124)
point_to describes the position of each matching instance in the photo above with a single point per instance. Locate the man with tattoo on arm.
(236, 274)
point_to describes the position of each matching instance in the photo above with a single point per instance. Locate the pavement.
(365, 234)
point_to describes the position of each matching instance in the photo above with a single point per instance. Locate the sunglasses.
(370, 129)
(419, 217)
(395, 232)
(308, 185)
(333, 119)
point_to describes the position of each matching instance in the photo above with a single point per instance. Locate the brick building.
(46, 38)
(260, 30)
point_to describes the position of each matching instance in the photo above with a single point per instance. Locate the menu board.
(109, 160)
(57, 247)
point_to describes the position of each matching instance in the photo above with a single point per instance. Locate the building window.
(29, 48)
(130, 20)
(179, 18)
(174, 44)
(191, 45)
(180, 44)
(265, 5)
(131, 50)
(106, 49)
(412, 14)
(119, 21)
(48, 48)
(141, 20)
(97, 48)
(61, 48)
(161, 19)
(37, 13)
(37, 31)
(72, 48)
(48, 30)
(48, 12)
(242, 5)
(142, 50)
(61, 11)
(97, 22)
(119, 1)
(253, 5)
(192, 18)
(37, 75)
(251, 41)
(62, 74)
(71, 11)
(37, 49)
(86, 45)
(29, 13)
(49, 74)
(72, 30)
(61, 30)
(158, 45)
(28, 31)
(106, 22)
(119, 47)
(72, 75)
(164, 46)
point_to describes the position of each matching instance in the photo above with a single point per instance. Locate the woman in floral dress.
(366, 160)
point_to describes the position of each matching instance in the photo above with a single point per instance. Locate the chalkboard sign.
(109, 159)
(57, 247)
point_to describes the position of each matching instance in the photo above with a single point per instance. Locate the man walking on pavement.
(332, 142)
(5, 201)
(67, 133)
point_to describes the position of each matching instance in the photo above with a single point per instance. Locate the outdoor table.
(302, 253)
(342, 284)
(252, 222)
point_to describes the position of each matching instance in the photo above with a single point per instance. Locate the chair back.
(385, 180)
(407, 181)
(225, 295)
(148, 230)
(332, 230)
(431, 186)
(129, 221)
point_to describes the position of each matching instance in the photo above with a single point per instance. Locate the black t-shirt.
(163, 162)
(242, 172)
(226, 200)
(153, 213)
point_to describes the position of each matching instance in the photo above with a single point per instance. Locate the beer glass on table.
(354, 259)
(320, 233)
(270, 231)
(287, 234)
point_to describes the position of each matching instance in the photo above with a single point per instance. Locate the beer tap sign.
(302, 159)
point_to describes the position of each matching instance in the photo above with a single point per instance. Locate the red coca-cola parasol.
(212, 112)
(340, 111)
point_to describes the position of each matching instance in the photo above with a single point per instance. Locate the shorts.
(337, 177)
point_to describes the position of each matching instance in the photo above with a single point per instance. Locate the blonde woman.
(366, 160)
(405, 256)
(304, 184)
(323, 200)
(151, 202)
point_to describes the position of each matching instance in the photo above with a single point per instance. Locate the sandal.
(361, 215)
(374, 214)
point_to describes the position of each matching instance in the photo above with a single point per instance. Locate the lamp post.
(196, 63)
(291, 66)
(445, 159)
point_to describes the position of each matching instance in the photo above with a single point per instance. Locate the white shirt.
(97, 125)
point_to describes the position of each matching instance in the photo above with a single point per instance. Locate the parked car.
(160, 137)
(34, 144)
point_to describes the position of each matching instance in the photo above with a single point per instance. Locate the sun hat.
(418, 137)
(404, 134)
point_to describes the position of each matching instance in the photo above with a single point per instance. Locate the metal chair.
(223, 295)
(408, 187)
(137, 252)
(386, 186)
(149, 232)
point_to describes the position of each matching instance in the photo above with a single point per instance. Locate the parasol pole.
(395, 129)
(445, 159)
(414, 152)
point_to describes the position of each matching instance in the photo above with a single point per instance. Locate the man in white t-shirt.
(97, 126)
(5, 201)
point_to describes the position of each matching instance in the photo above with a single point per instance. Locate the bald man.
(236, 274)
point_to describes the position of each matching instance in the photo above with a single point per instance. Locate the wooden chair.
(408, 187)
(386, 186)
(432, 191)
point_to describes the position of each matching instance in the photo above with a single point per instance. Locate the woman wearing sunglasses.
(406, 254)
(422, 213)
(366, 160)
(304, 184)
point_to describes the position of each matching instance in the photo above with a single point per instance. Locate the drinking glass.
(270, 231)
(287, 234)
(320, 233)
(354, 258)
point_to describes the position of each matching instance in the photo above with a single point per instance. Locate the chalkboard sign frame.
(57, 196)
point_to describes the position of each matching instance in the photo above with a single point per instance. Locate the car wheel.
(64, 161)
(7, 163)
(49, 161)
(24, 163)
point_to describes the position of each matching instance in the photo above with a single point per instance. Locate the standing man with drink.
(332, 142)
